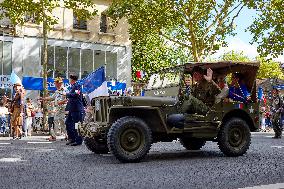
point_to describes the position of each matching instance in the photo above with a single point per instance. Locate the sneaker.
(69, 142)
(75, 144)
(51, 139)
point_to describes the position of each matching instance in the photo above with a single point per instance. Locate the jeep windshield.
(166, 78)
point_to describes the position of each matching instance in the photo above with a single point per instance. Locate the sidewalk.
(35, 136)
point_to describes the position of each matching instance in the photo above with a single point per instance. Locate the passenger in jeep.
(203, 93)
(238, 90)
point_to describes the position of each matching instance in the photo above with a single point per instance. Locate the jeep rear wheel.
(129, 139)
(96, 146)
(234, 137)
(192, 144)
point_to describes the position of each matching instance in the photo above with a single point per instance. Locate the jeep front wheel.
(192, 144)
(96, 146)
(129, 139)
(234, 137)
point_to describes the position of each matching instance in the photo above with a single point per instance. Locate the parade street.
(37, 163)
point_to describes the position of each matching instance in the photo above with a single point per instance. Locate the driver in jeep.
(200, 100)
(203, 94)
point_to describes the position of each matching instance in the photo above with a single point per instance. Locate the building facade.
(73, 46)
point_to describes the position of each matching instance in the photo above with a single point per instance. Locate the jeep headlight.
(93, 127)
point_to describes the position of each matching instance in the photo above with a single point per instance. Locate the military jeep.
(127, 126)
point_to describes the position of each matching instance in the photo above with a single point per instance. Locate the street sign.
(5, 82)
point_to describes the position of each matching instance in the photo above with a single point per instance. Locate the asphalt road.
(36, 163)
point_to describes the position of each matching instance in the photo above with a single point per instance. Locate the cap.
(17, 84)
(58, 80)
(73, 77)
(198, 70)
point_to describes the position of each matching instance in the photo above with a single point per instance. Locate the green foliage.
(153, 53)
(234, 56)
(267, 69)
(41, 10)
(268, 27)
(199, 27)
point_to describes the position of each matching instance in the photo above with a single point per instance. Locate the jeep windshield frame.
(167, 77)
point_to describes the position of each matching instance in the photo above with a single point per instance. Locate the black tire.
(129, 139)
(192, 144)
(234, 137)
(96, 146)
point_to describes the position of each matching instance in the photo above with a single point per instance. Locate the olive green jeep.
(127, 126)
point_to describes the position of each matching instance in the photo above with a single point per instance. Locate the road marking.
(277, 146)
(106, 155)
(3, 143)
(39, 142)
(269, 186)
(10, 159)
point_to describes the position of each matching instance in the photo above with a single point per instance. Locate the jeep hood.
(143, 101)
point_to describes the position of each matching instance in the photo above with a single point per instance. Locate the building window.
(50, 61)
(5, 58)
(63, 60)
(79, 24)
(30, 18)
(103, 23)
(86, 62)
(74, 61)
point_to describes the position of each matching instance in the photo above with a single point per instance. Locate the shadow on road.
(185, 154)
(152, 156)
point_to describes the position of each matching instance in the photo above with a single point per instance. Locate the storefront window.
(5, 58)
(86, 62)
(60, 62)
(58, 65)
(74, 61)
(50, 61)
(111, 65)
(99, 59)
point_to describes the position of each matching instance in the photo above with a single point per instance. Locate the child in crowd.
(38, 119)
(3, 118)
(51, 112)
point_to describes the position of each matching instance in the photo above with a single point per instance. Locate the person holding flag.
(17, 106)
(17, 111)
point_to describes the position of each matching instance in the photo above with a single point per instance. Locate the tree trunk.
(44, 64)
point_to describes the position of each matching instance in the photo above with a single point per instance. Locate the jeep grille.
(101, 107)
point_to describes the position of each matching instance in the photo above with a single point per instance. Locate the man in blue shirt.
(75, 110)
(238, 91)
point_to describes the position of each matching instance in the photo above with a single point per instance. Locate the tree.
(234, 56)
(152, 53)
(268, 27)
(197, 26)
(41, 11)
(267, 69)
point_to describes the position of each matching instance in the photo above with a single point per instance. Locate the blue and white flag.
(93, 80)
(260, 93)
(14, 78)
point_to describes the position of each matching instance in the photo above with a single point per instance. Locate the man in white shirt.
(59, 98)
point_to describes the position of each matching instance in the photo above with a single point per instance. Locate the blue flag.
(33, 83)
(93, 80)
(36, 83)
